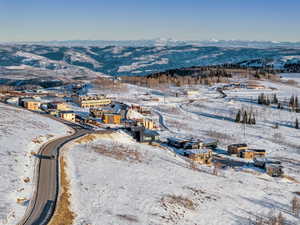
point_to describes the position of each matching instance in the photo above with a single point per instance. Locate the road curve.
(43, 201)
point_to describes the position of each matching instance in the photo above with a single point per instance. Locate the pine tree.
(292, 102)
(253, 120)
(249, 118)
(259, 100)
(275, 100)
(238, 117)
(245, 117)
(296, 105)
(297, 124)
(267, 102)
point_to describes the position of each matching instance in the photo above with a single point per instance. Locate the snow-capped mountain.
(168, 42)
(121, 60)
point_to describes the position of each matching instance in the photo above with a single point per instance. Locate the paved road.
(161, 120)
(42, 204)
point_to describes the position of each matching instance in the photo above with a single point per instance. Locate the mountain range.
(141, 60)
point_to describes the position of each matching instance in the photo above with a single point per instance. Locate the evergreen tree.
(249, 118)
(267, 102)
(245, 117)
(292, 102)
(297, 124)
(238, 117)
(259, 101)
(275, 100)
(253, 120)
(296, 105)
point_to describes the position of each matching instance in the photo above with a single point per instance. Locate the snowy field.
(21, 132)
(115, 180)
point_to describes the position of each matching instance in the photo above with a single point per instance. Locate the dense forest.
(200, 75)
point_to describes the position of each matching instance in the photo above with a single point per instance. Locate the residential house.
(60, 106)
(262, 162)
(67, 115)
(202, 156)
(32, 104)
(191, 143)
(236, 148)
(252, 153)
(177, 142)
(274, 170)
(144, 135)
(147, 123)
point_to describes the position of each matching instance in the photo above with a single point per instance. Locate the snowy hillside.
(115, 180)
(21, 132)
(124, 60)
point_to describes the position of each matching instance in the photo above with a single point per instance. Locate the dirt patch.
(179, 201)
(91, 137)
(63, 214)
(86, 139)
(292, 179)
(119, 152)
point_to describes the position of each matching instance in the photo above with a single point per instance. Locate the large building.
(93, 101)
(111, 118)
(147, 123)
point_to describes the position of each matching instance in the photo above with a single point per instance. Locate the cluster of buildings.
(243, 151)
(55, 108)
(197, 150)
(272, 167)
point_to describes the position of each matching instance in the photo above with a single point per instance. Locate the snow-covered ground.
(21, 132)
(115, 180)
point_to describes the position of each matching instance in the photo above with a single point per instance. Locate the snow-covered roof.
(198, 151)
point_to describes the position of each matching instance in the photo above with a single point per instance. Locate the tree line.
(293, 103)
(206, 75)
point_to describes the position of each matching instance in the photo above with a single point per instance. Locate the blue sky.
(34, 20)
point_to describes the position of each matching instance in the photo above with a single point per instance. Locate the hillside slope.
(118, 60)
(21, 132)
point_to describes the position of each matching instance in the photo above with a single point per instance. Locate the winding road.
(43, 201)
